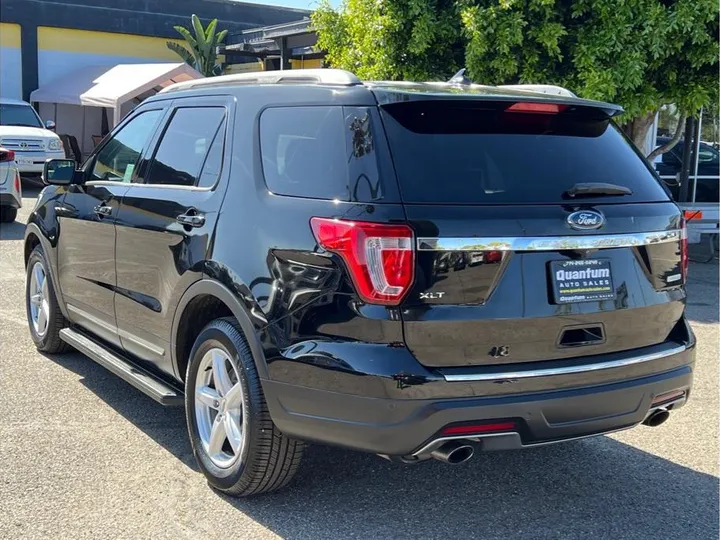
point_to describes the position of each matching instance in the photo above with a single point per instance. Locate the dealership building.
(84, 64)
(41, 40)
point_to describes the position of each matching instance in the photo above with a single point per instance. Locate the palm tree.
(203, 46)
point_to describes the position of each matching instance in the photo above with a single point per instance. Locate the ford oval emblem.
(586, 219)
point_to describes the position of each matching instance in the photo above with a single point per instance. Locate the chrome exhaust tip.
(453, 452)
(657, 417)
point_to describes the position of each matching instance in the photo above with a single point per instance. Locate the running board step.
(123, 368)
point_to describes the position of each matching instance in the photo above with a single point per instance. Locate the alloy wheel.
(219, 409)
(39, 299)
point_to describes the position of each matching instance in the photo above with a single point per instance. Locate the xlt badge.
(431, 295)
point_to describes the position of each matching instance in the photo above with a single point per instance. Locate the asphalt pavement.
(85, 455)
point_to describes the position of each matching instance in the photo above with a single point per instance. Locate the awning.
(111, 86)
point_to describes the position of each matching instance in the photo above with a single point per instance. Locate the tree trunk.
(637, 129)
(672, 142)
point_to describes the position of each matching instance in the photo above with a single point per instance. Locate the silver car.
(10, 187)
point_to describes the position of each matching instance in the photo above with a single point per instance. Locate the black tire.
(50, 342)
(7, 214)
(270, 459)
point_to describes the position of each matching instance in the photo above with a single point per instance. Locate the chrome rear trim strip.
(564, 370)
(548, 243)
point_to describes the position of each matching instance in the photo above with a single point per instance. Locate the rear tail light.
(536, 108)
(17, 181)
(684, 257)
(477, 429)
(379, 257)
(7, 155)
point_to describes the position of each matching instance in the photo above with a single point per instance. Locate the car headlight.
(55, 144)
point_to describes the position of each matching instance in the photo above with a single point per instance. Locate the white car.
(22, 131)
(10, 188)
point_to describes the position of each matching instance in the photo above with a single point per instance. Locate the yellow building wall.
(61, 50)
(302, 63)
(105, 43)
(10, 35)
(245, 68)
(10, 61)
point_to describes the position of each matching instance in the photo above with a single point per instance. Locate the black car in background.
(669, 165)
(414, 270)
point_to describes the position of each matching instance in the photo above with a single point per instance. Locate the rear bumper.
(403, 427)
(10, 199)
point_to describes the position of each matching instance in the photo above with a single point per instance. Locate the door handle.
(191, 218)
(103, 210)
(64, 211)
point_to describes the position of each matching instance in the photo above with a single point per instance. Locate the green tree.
(203, 46)
(391, 39)
(642, 54)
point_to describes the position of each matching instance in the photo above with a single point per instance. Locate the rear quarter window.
(336, 153)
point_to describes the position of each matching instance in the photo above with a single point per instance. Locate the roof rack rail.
(336, 77)
(541, 88)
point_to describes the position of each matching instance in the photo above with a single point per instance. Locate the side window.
(326, 153)
(304, 152)
(192, 135)
(117, 159)
(213, 162)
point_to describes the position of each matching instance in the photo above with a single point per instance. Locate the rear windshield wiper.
(590, 189)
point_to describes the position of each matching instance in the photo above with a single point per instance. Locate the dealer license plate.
(582, 280)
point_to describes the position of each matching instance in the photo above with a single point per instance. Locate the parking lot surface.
(85, 455)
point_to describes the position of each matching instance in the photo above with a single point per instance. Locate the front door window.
(117, 159)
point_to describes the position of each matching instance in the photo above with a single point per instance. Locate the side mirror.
(49, 124)
(59, 172)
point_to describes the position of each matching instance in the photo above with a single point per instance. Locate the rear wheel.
(234, 440)
(7, 214)
(43, 311)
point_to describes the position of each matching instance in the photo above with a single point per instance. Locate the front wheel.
(234, 440)
(43, 311)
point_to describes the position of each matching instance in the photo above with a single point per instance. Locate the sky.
(300, 4)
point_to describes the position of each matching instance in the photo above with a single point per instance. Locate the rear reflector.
(667, 397)
(536, 108)
(379, 257)
(475, 429)
(692, 214)
(17, 182)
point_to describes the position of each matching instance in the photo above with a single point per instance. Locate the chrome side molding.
(549, 243)
(563, 370)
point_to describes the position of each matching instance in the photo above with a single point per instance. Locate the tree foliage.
(639, 53)
(392, 39)
(202, 43)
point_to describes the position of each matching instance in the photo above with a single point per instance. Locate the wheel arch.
(34, 237)
(208, 288)
(31, 242)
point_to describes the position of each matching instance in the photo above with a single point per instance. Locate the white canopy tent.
(117, 88)
(103, 86)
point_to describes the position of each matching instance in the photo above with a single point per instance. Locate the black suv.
(408, 269)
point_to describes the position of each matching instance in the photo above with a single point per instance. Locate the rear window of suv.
(465, 152)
